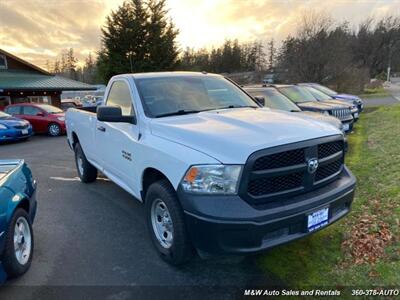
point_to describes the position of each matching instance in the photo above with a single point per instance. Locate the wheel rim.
(22, 241)
(54, 129)
(162, 223)
(80, 165)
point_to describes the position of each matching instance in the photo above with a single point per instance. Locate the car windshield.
(297, 94)
(320, 96)
(324, 89)
(165, 96)
(276, 100)
(50, 109)
(3, 115)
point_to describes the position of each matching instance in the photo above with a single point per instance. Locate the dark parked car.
(306, 101)
(352, 99)
(70, 103)
(44, 118)
(18, 210)
(13, 129)
(273, 99)
(320, 96)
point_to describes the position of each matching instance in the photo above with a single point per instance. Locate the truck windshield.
(324, 89)
(166, 96)
(320, 96)
(276, 100)
(297, 94)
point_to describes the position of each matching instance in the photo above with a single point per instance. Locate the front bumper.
(229, 225)
(14, 134)
(63, 127)
(348, 125)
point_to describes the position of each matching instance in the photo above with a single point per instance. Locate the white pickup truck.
(217, 172)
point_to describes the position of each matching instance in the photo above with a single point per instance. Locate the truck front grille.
(279, 172)
(328, 170)
(277, 160)
(342, 113)
(276, 184)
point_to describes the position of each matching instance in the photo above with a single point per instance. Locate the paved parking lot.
(95, 234)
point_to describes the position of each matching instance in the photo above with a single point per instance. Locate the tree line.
(140, 37)
(67, 66)
(336, 54)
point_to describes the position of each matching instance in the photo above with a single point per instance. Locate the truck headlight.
(2, 127)
(212, 179)
(61, 119)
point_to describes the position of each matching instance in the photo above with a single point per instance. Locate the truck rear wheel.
(166, 223)
(86, 171)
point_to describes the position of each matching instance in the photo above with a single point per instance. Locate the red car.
(44, 118)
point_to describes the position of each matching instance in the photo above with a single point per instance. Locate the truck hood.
(322, 118)
(320, 105)
(231, 135)
(342, 102)
(346, 97)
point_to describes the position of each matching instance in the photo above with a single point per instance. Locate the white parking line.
(75, 179)
(65, 179)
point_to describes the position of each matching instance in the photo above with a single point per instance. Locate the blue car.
(17, 212)
(13, 129)
(357, 101)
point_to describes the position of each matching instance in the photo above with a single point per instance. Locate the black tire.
(10, 263)
(181, 250)
(54, 129)
(89, 172)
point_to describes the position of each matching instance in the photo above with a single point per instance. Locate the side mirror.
(260, 100)
(113, 114)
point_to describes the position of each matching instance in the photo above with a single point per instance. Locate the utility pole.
(389, 63)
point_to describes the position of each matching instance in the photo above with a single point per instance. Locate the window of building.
(4, 101)
(3, 62)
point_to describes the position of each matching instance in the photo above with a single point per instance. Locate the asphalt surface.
(394, 98)
(95, 235)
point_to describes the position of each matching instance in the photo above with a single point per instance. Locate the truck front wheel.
(166, 224)
(86, 171)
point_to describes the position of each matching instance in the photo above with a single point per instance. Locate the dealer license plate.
(317, 219)
(346, 127)
(24, 131)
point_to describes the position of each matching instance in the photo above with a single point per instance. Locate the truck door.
(117, 142)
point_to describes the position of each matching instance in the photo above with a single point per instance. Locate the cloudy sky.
(38, 30)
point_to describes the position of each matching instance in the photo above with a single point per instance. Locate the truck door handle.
(101, 128)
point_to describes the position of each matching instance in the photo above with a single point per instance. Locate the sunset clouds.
(38, 30)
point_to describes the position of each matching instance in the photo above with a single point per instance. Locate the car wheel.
(166, 224)
(86, 171)
(54, 129)
(18, 251)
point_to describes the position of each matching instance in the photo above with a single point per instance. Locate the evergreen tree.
(137, 37)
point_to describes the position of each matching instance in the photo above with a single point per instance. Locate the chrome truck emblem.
(312, 165)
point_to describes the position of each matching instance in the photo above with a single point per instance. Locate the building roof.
(22, 80)
(36, 68)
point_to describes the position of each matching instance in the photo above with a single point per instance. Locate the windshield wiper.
(178, 113)
(235, 106)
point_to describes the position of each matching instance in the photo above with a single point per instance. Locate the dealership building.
(21, 81)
